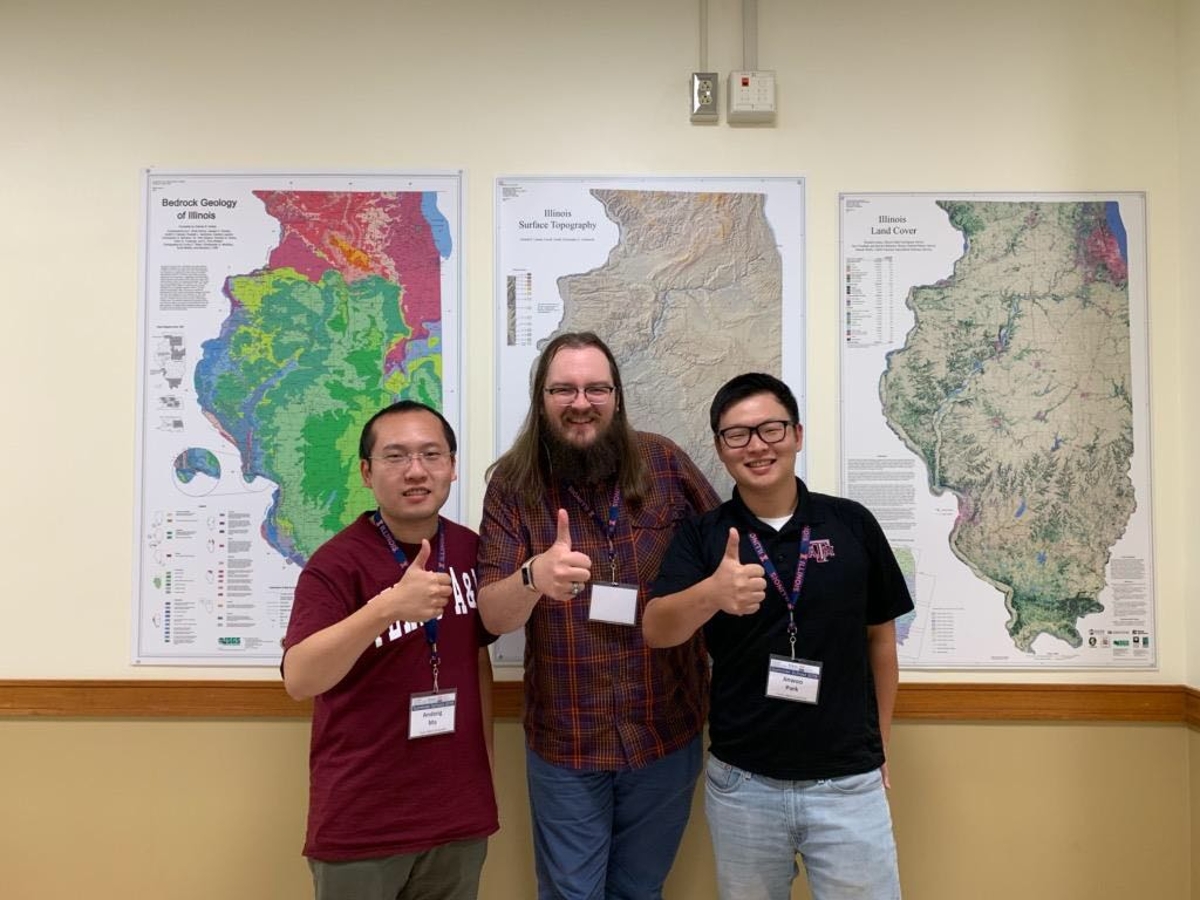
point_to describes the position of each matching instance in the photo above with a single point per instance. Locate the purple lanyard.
(610, 527)
(798, 582)
(431, 627)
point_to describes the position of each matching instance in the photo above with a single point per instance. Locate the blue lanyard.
(610, 527)
(793, 596)
(431, 627)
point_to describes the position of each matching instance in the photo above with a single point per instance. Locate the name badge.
(431, 712)
(798, 680)
(616, 603)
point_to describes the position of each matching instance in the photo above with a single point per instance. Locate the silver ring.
(576, 587)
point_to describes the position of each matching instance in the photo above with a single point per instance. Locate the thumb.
(732, 545)
(423, 556)
(564, 529)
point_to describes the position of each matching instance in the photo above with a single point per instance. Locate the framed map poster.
(995, 418)
(278, 313)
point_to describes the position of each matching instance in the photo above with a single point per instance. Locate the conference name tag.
(798, 680)
(616, 603)
(431, 712)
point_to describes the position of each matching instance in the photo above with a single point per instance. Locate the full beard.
(596, 462)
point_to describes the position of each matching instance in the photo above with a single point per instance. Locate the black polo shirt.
(852, 580)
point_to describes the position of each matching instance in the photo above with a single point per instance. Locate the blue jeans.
(841, 827)
(605, 834)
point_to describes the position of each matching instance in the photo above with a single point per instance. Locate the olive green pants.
(448, 872)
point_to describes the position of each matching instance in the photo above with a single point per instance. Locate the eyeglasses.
(595, 394)
(430, 459)
(770, 432)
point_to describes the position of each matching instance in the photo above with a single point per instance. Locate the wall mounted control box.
(751, 98)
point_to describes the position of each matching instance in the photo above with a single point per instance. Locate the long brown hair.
(525, 465)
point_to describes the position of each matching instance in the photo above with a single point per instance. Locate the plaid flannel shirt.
(596, 697)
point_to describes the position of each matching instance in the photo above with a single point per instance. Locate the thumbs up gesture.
(419, 595)
(560, 571)
(740, 589)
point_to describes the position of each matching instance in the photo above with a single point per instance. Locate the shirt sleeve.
(699, 493)
(317, 604)
(504, 541)
(684, 564)
(888, 594)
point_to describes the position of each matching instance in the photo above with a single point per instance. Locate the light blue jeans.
(841, 827)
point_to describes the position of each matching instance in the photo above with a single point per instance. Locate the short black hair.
(366, 441)
(738, 388)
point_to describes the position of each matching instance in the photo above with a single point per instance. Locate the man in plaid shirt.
(577, 516)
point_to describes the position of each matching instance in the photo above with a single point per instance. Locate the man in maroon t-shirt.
(385, 636)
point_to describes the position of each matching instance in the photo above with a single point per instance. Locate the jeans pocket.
(863, 783)
(721, 777)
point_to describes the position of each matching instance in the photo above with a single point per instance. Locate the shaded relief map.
(689, 283)
(1015, 381)
(298, 309)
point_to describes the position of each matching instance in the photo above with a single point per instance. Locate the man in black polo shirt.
(797, 594)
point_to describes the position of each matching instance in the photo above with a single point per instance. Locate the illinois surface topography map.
(689, 281)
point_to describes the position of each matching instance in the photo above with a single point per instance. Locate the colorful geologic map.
(298, 308)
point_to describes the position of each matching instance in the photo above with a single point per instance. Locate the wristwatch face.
(526, 574)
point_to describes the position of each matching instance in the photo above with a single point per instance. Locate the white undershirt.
(777, 523)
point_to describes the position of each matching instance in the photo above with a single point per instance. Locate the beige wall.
(874, 95)
(1189, 172)
(1189, 155)
(214, 810)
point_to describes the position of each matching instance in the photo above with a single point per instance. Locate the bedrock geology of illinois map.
(278, 313)
(995, 419)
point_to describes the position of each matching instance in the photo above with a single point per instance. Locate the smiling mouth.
(416, 492)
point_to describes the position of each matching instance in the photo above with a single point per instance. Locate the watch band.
(527, 574)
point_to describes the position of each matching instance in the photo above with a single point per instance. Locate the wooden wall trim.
(1192, 708)
(1042, 702)
(136, 698)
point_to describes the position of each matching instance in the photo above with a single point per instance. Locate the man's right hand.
(559, 568)
(739, 589)
(418, 596)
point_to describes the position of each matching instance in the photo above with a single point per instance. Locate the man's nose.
(756, 437)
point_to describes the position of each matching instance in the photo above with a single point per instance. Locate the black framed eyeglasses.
(770, 432)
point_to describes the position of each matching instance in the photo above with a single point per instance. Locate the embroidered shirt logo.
(820, 550)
